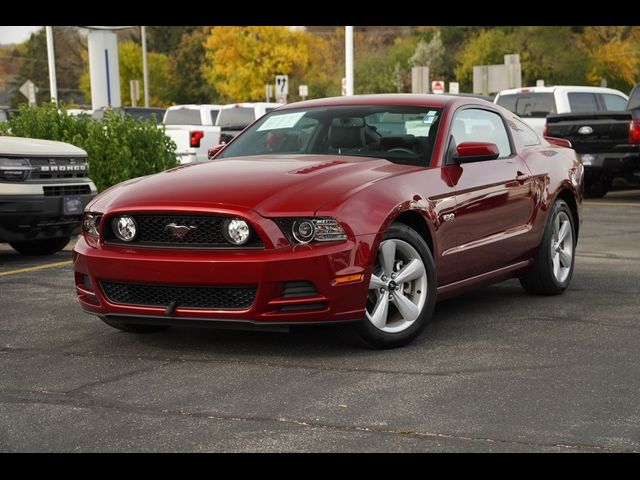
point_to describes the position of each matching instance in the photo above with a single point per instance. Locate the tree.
(130, 66)
(69, 48)
(240, 61)
(612, 53)
(166, 38)
(430, 54)
(188, 84)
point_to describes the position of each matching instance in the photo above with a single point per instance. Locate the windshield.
(398, 134)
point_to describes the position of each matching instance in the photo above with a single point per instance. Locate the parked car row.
(195, 129)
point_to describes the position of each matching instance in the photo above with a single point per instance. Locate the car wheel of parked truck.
(41, 247)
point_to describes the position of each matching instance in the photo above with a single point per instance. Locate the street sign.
(454, 87)
(29, 90)
(282, 85)
(437, 87)
(303, 91)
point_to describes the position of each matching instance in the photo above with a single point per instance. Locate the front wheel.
(553, 264)
(402, 290)
(41, 247)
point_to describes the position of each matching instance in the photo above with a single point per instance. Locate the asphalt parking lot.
(497, 370)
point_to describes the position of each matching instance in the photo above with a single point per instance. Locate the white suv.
(533, 104)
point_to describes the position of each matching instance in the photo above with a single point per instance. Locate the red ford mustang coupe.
(360, 210)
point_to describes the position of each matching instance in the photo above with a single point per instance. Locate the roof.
(399, 99)
(561, 88)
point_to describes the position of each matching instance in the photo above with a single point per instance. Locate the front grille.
(52, 168)
(66, 190)
(211, 298)
(206, 234)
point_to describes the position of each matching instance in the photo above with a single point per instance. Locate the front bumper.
(268, 270)
(37, 217)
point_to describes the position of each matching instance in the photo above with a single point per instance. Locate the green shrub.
(118, 147)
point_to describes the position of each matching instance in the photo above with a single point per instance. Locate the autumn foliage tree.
(242, 60)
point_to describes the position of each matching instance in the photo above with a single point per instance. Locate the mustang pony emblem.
(179, 231)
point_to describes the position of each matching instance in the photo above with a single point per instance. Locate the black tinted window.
(238, 117)
(582, 102)
(183, 116)
(214, 116)
(529, 105)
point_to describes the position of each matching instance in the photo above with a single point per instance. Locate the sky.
(15, 34)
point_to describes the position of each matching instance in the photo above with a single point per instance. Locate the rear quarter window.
(526, 134)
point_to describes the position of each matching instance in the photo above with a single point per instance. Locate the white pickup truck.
(194, 130)
(533, 104)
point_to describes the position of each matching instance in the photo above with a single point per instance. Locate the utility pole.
(53, 86)
(348, 48)
(145, 68)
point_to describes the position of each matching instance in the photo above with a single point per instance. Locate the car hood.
(15, 146)
(271, 185)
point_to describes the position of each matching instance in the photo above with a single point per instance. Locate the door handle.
(522, 177)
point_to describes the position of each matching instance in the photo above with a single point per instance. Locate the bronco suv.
(44, 187)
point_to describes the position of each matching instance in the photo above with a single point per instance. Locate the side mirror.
(476, 152)
(212, 152)
(559, 142)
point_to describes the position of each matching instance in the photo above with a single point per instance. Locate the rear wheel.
(133, 327)
(402, 290)
(553, 265)
(41, 247)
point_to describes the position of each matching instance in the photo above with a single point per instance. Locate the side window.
(582, 102)
(525, 132)
(214, 116)
(614, 103)
(472, 125)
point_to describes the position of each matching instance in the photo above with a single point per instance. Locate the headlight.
(16, 169)
(236, 231)
(91, 224)
(91, 228)
(306, 230)
(125, 228)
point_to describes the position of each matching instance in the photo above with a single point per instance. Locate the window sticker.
(277, 122)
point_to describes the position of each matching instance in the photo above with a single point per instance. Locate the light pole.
(145, 68)
(348, 48)
(53, 86)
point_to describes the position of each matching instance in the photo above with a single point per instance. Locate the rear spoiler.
(559, 142)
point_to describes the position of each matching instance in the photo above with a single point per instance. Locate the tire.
(597, 187)
(411, 305)
(135, 328)
(553, 266)
(41, 247)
